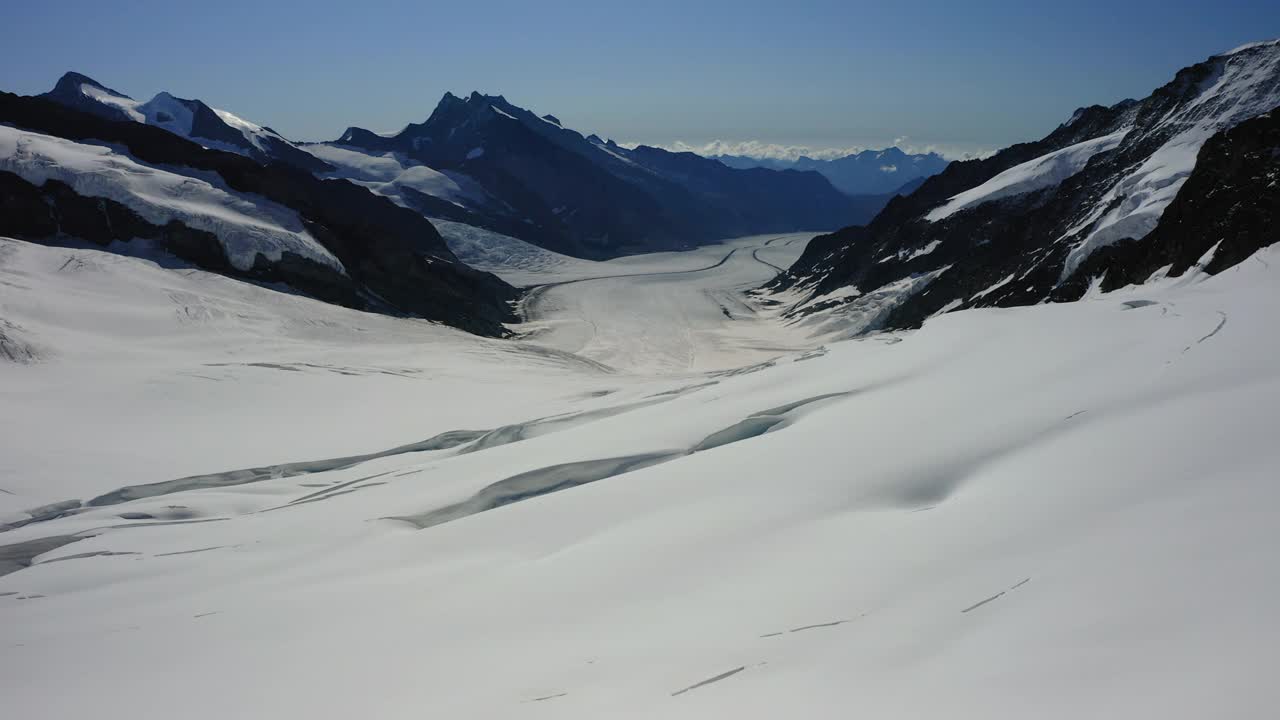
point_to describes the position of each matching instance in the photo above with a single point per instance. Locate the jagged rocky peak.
(479, 97)
(451, 104)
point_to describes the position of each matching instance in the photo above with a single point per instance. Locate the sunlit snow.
(1045, 171)
(1059, 511)
(247, 226)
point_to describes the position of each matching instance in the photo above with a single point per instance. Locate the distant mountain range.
(484, 161)
(870, 172)
(1182, 179)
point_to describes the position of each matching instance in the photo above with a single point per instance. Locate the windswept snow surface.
(126, 105)
(1045, 171)
(520, 263)
(173, 114)
(254, 133)
(1059, 511)
(387, 173)
(166, 111)
(246, 225)
(1252, 45)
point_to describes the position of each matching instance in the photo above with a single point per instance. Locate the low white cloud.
(757, 149)
(776, 151)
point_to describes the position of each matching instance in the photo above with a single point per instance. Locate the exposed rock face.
(1230, 206)
(1094, 201)
(395, 260)
(592, 198)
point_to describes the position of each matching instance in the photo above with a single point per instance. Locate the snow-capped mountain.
(870, 172)
(71, 176)
(1113, 196)
(658, 496)
(485, 161)
(193, 119)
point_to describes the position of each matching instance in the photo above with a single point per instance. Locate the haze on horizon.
(816, 75)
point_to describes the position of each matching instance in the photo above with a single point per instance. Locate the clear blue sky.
(814, 72)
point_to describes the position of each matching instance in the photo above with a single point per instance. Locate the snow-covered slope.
(67, 175)
(388, 173)
(123, 103)
(1242, 84)
(1043, 172)
(88, 95)
(247, 226)
(1061, 511)
(155, 373)
(1051, 219)
(514, 260)
(178, 116)
(192, 119)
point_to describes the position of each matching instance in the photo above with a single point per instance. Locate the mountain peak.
(1253, 45)
(360, 137)
(166, 96)
(479, 97)
(84, 93)
(474, 102)
(74, 81)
